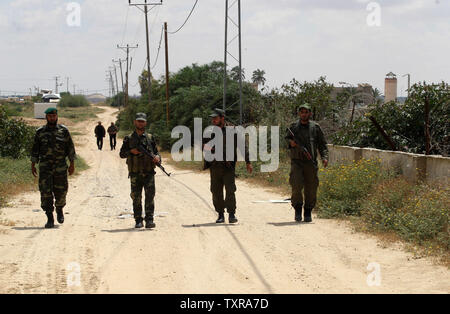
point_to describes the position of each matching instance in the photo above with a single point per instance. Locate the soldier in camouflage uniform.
(141, 170)
(305, 140)
(223, 173)
(52, 146)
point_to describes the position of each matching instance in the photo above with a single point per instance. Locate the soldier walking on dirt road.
(52, 146)
(305, 138)
(141, 169)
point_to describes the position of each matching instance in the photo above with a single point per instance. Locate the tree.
(235, 74)
(258, 77)
(420, 125)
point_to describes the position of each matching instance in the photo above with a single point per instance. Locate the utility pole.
(409, 82)
(121, 75)
(225, 74)
(148, 42)
(67, 86)
(238, 59)
(167, 72)
(112, 83)
(117, 84)
(120, 61)
(57, 84)
(127, 50)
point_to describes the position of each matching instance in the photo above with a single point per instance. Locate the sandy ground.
(188, 253)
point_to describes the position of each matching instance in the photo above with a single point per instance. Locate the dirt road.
(187, 253)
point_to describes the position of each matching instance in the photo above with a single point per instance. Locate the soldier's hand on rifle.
(71, 168)
(135, 151)
(33, 170)
(292, 143)
(156, 160)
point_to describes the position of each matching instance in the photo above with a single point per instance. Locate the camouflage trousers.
(144, 181)
(53, 185)
(303, 178)
(222, 176)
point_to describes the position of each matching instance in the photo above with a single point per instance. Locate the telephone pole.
(127, 50)
(409, 82)
(146, 5)
(167, 71)
(228, 53)
(57, 84)
(121, 75)
(67, 86)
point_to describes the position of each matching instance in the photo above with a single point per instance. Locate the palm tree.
(258, 77)
(376, 94)
(235, 73)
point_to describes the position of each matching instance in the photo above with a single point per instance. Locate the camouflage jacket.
(139, 163)
(310, 136)
(52, 146)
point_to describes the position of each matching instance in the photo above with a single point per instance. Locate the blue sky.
(300, 39)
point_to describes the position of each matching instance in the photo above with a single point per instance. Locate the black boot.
(139, 223)
(308, 217)
(221, 219)
(232, 219)
(50, 221)
(298, 213)
(60, 215)
(149, 224)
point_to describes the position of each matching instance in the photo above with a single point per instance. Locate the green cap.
(217, 113)
(51, 111)
(141, 116)
(304, 106)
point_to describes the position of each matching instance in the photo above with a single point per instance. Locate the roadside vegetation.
(16, 140)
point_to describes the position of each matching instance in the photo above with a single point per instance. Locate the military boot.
(60, 215)
(50, 220)
(221, 219)
(298, 213)
(232, 219)
(139, 223)
(308, 217)
(149, 224)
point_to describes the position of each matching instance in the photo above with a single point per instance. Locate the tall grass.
(16, 177)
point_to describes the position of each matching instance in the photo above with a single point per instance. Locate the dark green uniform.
(141, 169)
(52, 146)
(303, 174)
(223, 174)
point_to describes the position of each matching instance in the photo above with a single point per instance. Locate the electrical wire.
(159, 48)
(187, 19)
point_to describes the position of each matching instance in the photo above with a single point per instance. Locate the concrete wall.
(414, 167)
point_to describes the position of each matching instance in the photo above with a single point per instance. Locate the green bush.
(16, 138)
(417, 214)
(343, 188)
(68, 100)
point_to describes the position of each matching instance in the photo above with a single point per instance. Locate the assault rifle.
(150, 154)
(302, 147)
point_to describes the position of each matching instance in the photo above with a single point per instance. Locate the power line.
(159, 48)
(187, 19)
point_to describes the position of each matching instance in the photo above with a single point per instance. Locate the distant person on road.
(112, 131)
(100, 133)
(305, 138)
(52, 147)
(141, 169)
